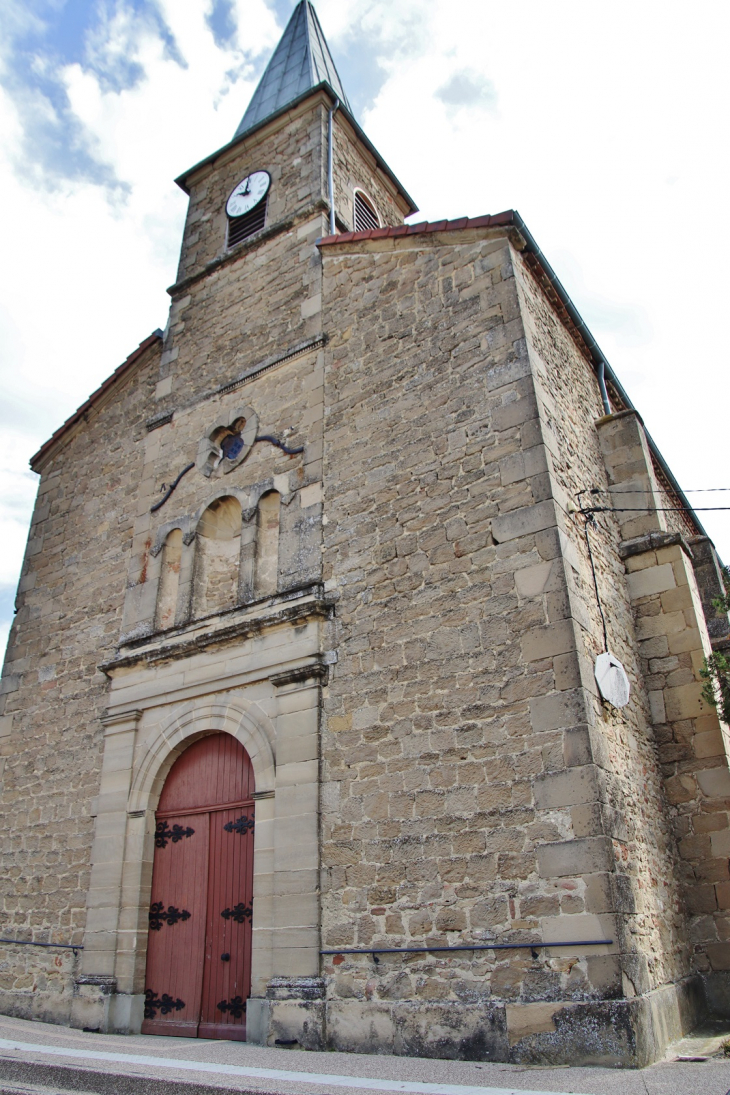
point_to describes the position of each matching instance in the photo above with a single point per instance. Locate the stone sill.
(242, 248)
(652, 542)
(310, 603)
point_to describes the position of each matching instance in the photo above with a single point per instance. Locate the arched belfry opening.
(198, 975)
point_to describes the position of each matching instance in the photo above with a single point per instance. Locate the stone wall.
(403, 522)
(216, 574)
(354, 167)
(251, 302)
(69, 619)
(442, 545)
(672, 643)
(693, 747)
(475, 786)
(37, 983)
(415, 790)
(632, 813)
(707, 567)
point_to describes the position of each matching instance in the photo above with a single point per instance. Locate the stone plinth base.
(96, 1005)
(717, 993)
(614, 1033)
(292, 1014)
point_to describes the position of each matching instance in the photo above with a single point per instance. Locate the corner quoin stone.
(592, 855)
(522, 522)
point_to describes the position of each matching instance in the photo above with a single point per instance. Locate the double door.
(199, 947)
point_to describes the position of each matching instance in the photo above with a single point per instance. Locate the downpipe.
(330, 179)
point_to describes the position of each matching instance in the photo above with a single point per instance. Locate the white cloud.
(17, 494)
(599, 106)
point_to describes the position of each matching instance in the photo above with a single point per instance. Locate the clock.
(248, 193)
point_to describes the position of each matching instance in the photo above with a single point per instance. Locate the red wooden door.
(199, 947)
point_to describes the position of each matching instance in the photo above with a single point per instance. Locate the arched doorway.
(199, 947)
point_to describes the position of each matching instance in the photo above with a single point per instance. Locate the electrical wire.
(589, 516)
(655, 509)
(689, 490)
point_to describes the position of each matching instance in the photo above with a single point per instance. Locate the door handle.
(225, 957)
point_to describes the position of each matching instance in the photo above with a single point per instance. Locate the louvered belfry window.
(365, 216)
(240, 228)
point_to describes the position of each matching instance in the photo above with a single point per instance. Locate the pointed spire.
(301, 61)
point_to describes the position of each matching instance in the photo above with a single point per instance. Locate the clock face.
(248, 193)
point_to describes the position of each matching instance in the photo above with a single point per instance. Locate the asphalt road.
(40, 1059)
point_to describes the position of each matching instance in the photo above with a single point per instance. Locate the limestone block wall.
(92, 526)
(69, 617)
(248, 331)
(263, 302)
(676, 520)
(355, 167)
(460, 793)
(630, 814)
(693, 746)
(253, 319)
(706, 567)
(673, 641)
(293, 149)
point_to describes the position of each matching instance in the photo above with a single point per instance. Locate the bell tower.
(248, 276)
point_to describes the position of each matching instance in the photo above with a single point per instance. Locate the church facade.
(301, 732)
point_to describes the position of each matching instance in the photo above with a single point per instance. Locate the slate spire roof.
(301, 61)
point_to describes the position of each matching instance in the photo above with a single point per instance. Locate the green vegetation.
(716, 669)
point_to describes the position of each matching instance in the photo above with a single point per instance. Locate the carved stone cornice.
(291, 614)
(253, 242)
(652, 541)
(312, 671)
(130, 718)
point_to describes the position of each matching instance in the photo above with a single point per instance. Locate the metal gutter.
(602, 365)
(330, 177)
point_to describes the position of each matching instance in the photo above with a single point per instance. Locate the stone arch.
(169, 580)
(217, 556)
(365, 215)
(252, 728)
(182, 523)
(241, 496)
(266, 565)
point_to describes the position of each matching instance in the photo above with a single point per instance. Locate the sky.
(604, 124)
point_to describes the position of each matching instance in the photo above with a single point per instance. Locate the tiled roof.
(300, 62)
(95, 396)
(497, 220)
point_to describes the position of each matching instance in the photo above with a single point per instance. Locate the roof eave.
(599, 358)
(181, 180)
(39, 458)
(512, 219)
